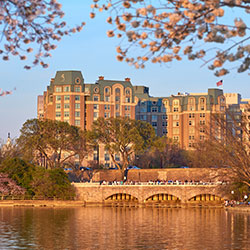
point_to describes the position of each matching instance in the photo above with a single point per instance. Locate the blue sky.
(94, 54)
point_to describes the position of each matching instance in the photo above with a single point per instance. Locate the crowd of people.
(164, 182)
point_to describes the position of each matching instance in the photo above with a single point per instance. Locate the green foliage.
(38, 181)
(123, 136)
(19, 171)
(47, 139)
(53, 183)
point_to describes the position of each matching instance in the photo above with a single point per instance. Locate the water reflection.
(123, 228)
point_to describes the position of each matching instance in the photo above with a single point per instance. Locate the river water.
(123, 228)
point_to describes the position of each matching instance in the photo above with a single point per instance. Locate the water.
(123, 228)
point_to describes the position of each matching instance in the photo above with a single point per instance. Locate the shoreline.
(80, 203)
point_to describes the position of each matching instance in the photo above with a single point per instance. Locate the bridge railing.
(153, 183)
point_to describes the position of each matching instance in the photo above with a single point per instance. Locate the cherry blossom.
(164, 31)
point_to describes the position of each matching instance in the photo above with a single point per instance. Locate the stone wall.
(144, 175)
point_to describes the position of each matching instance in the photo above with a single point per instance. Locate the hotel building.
(182, 117)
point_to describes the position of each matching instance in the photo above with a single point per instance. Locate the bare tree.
(170, 30)
(230, 150)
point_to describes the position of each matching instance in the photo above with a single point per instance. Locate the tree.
(35, 181)
(231, 149)
(167, 153)
(54, 142)
(170, 30)
(123, 136)
(29, 24)
(9, 187)
(19, 171)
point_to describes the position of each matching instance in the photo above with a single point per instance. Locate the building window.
(154, 109)
(77, 105)
(117, 106)
(107, 98)
(143, 117)
(77, 123)
(95, 114)
(127, 107)
(66, 106)
(117, 91)
(127, 91)
(58, 105)
(127, 99)
(77, 114)
(66, 98)
(142, 109)
(202, 122)
(175, 117)
(95, 157)
(58, 114)
(77, 89)
(117, 98)
(176, 124)
(106, 115)
(164, 124)
(127, 115)
(176, 138)
(202, 130)
(96, 106)
(176, 102)
(164, 117)
(202, 103)
(191, 137)
(191, 123)
(107, 106)
(58, 89)
(154, 124)
(176, 109)
(96, 98)
(107, 91)
(66, 89)
(77, 98)
(106, 157)
(202, 114)
(117, 114)
(66, 114)
(117, 157)
(58, 98)
(191, 115)
(202, 137)
(154, 117)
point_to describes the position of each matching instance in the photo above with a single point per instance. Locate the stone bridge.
(95, 193)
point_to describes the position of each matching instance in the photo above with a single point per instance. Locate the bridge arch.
(122, 197)
(162, 197)
(206, 197)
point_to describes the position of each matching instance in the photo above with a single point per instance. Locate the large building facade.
(182, 117)
(68, 98)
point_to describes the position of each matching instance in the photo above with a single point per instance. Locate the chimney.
(101, 77)
(127, 79)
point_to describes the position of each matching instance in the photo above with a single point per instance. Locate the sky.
(94, 54)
